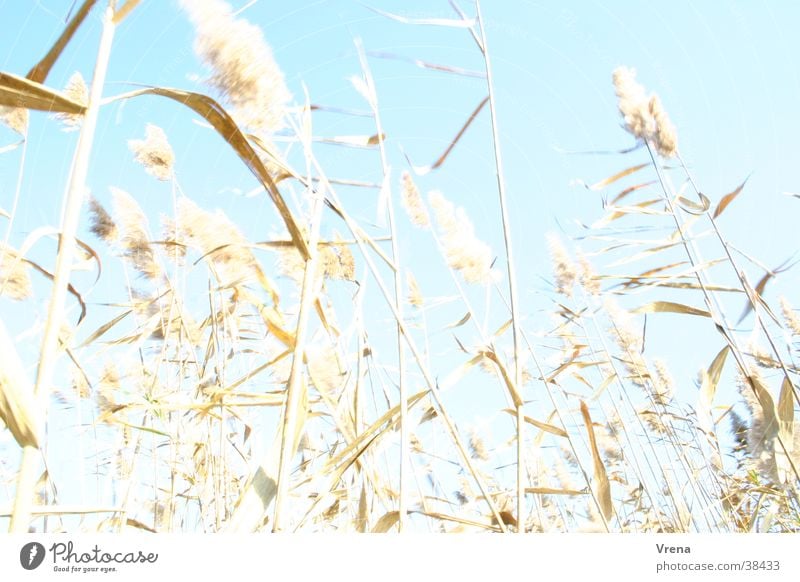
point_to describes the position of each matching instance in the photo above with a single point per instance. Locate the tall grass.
(301, 381)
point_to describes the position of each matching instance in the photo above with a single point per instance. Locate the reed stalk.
(73, 202)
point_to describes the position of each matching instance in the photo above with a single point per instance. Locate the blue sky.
(725, 72)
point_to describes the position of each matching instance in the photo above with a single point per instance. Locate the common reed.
(361, 371)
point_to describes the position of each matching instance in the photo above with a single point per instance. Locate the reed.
(315, 371)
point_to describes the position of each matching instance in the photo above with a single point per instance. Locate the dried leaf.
(771, 425)
(601, 483)
(502, 329)
(427, 65)
(121, 13)
(362, 521)
(17, 91)
(728, 198)
(539, 424)
(448, 22)
(711, 379)
(354, 141)
(670, 307)
(227, 128)
(422, 170)
(461, 321)
(3, 150)
(693, 207)
(348, 455)
(631, 189)
(551, 491)
(622, 211)
(444, 517)
(759, 291)
(786, 411)
(386, 522)
(100, 331)
(618, 176)
(17, 404)
(40, 71)
(512, 389)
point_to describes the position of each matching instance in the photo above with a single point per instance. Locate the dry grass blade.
(758, 292)
(711, 378)
(694, 207)
(786, 411)
(386, 522)
(100, 331)
(336, 466)
(572, 363)
(40, 71)
(18, 91)
(463, 521)
(460, 322)
(618, 176)
(650, 272)
(601, 483)
(512, 389)
(551, 491)
(449, 22)
(728, 198)
(353, 141)
(70, 288)
(670, 307)
(17, 404)
(227, 128)
(9, 148)
(539, 424)
(65, 510)
(426, 65)
(362, 521)
(347, 456)
(640, 208)
(422, 170)
(123, 12)
(767, 403)
(631, 189)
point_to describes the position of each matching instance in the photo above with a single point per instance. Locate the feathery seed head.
(134, 239)
(477, 446)
(663, 383)
(564, 270)
(337, 261)
(215, 236)
(588, 278)
(464, 252)
(644, 115)
(76, 90)
(413, 203)
(790, 316)
(14, 280)
(243, 69)
(101, 223)
(665, 137)
(628, 338)
(108, 385)
(415, 297)
(175, 245)
(154, 152)
(16, 118)
(632, 102)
